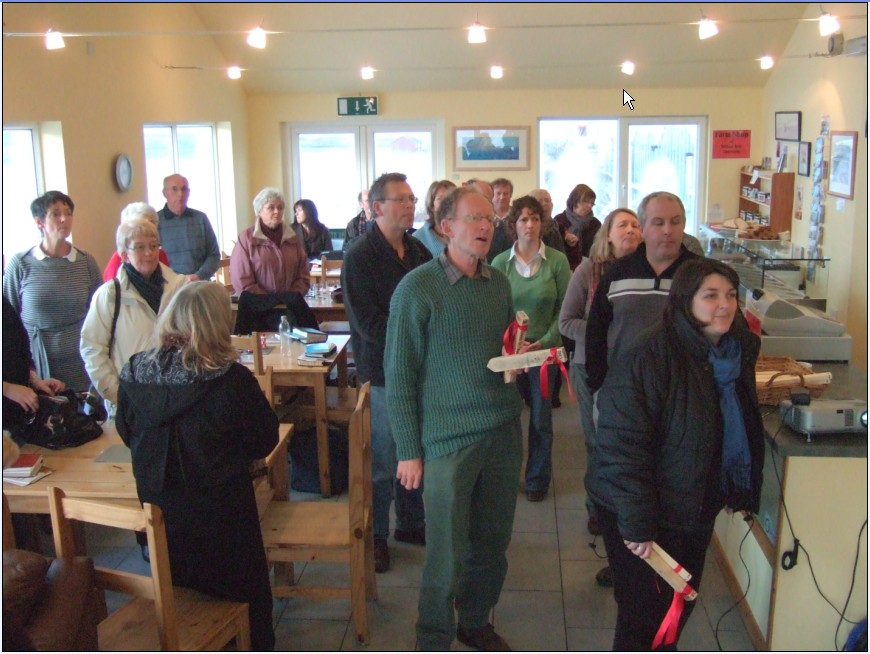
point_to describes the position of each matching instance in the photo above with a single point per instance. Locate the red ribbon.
(545, 378)
(510, 336)
(667, 633)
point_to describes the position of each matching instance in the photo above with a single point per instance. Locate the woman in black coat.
(679, 437)
(194, 419)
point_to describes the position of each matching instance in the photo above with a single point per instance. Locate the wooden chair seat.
(203, 623)
(301, 525)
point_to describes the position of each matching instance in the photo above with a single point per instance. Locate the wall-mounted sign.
(731, 143)
(358, 106)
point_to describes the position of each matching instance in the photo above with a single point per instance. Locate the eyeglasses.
(176, 189)
(411, 199)
(139, 248)
(476, 218)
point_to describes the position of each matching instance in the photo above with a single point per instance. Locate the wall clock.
(123, 172)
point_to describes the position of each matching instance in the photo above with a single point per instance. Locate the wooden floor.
(550, 600)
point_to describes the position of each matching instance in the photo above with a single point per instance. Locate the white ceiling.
(417, 46)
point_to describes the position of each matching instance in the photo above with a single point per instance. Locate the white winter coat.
(133, 333)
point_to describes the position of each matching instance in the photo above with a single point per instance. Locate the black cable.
(751, 521)
(790, 558)
(594, 547)
(851, 586)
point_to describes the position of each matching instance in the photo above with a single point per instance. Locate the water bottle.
(284, 331)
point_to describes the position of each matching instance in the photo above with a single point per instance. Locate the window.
(623, 160)
(332, 162)
(21, 185)
(189, 150)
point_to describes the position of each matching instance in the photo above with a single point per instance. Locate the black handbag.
(62, 421)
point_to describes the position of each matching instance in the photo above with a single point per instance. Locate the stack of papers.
(321, 350)
(27, 469)
(308, 335)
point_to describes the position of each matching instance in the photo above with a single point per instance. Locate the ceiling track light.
(496, 72)
(234, 72)
(367, 72)
(766, 62)
(257, 38)
(54, 40)
(627, 67)
(477, 33)
(707, 28)
(828, 24)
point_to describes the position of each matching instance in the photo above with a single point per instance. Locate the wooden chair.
(8, 531)
(251, 343)
(159, 616)
(274, 483)
(332, 532)
(222, 274)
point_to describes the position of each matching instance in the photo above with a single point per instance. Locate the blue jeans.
(584, 402)
(409, 504)
(539, 467)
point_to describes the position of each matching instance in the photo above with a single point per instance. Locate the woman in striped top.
(51, 286)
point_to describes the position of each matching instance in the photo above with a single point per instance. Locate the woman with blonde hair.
(194, 419)
(619, 235)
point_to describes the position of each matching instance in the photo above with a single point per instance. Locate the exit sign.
(358, 106)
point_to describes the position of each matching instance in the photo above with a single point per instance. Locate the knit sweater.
(440, 394)
(540, 295)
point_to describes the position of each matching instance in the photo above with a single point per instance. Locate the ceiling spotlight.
(707, 28)
(828, 24)
(257, 38)
(766, 62)
(628, 67)
(477, 33)
(496, 72)
(54, 40)
(234, 72)
(367, 72)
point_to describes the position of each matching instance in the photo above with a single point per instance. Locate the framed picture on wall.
(804, 157)
(491, 148)
(841, 181)
(787, 125)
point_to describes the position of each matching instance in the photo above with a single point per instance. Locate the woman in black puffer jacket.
(679, 437)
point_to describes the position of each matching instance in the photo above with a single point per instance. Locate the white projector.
(826, 416)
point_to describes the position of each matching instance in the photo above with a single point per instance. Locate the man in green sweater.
(457, 421)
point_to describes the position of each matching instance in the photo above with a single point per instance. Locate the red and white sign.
(731, 143)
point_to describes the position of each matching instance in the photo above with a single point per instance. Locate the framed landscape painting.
(491, 148)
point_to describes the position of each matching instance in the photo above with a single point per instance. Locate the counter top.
(849, 382)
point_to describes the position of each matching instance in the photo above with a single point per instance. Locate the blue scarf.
(736, 461)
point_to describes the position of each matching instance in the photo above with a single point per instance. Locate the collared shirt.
(189, 242)
(37, 253)
(454, 274)
(530, 268)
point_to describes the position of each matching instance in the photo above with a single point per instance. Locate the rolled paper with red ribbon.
(514, 336)
(545, 378)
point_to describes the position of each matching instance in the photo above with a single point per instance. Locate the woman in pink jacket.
(269, 257)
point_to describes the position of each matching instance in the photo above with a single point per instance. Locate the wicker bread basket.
(773, 395)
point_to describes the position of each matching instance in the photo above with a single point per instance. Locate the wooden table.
(327, 310)
(286, 372)
(78, 473)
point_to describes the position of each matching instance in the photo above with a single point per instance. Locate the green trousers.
(470, 498)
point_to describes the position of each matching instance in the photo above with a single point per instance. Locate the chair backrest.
(360, 460)
(8, 532)
(329, 264)
(252, 344)
(148, 518)
(222, 274)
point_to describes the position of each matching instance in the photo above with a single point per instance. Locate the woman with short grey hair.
(131, 211)
(141, 290)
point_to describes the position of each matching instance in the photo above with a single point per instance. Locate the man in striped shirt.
(633, 292)
(186, 234)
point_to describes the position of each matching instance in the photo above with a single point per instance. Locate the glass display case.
(779, 266)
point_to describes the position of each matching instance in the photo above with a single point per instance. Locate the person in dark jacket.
(373, 267)
(194, 419)
(679, 437)
(578, 224)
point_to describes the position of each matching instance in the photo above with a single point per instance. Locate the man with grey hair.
(632, 293)
(186, 234)
(360, 222)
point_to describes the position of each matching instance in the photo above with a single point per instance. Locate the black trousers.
(642, 597)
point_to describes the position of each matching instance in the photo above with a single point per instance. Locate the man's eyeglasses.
(403, 201)
(176, 189)
(139, 248)
(476, 218)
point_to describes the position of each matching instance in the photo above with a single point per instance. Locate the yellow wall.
(103, 99)
(835, 86)
(725, 110)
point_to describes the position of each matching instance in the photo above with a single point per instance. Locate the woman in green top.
(538, 276)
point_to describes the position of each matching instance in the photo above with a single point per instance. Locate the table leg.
(341, 362)
(322, 426)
